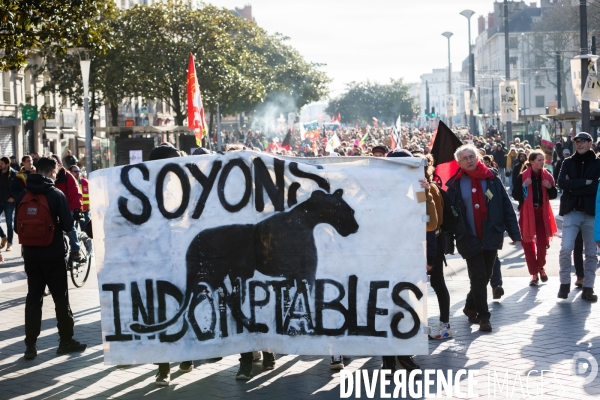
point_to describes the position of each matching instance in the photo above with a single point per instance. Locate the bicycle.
(79, 270)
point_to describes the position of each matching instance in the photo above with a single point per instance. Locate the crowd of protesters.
(474, 211)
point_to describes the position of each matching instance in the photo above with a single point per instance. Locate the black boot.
(564, 290)
(588, 294)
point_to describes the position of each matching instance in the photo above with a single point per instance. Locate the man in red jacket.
(66, 183)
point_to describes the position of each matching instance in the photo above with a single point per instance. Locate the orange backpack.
(35, 224)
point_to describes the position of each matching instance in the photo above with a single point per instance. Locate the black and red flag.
(445, 143)
(286, 141)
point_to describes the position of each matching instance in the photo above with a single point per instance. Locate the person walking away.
(511, 159)
(500, 160)
(536, 218)
(45, 257)
(518, 168)
(7, 201)
(485, 212)
(66, 183)
(578, 178)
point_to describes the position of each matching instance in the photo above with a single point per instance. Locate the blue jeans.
(8, 209)
(572, 223)
(73, 240)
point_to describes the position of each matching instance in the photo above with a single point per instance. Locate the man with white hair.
(484, 213)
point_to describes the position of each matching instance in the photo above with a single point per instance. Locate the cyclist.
(66, 183)
(84, 187)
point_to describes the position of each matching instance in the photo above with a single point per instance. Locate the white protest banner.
(213, 255)
(576, 80)
(333, 143)
(591, 90)
(135, 156)
(509, 107)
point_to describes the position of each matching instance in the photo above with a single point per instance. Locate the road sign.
(29, 113)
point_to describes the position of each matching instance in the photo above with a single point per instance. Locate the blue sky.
(372, 39)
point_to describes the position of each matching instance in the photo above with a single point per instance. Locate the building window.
(539, 61)
(540, 81)
(540, 101)
(6, 87)
(539, 42)
(513, 43)
(27, 86)
(513, 61)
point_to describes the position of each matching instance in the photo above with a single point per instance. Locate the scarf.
(478, 197)
(527, 215)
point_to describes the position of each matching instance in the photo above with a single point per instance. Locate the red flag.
(444, 145)
(196, 118)
(339, 118)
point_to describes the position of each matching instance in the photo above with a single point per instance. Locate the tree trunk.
(179, 116)
(114, 114)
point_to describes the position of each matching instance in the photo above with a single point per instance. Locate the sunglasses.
(76, 171)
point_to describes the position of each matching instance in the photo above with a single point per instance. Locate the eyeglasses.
(467, 159)
(580, 141)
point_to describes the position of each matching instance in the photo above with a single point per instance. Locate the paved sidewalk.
(532, 331)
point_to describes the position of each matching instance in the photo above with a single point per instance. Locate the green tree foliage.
(31, 24)
(237, 64)
(364, 100)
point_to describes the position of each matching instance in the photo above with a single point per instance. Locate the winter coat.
(61, 215)
(501, 218)
(576, 193)
(66, 183)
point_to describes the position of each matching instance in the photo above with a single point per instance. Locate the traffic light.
(432, 112)
(343, 117)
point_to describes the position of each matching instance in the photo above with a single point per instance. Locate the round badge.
(473, 190)
(477, 206)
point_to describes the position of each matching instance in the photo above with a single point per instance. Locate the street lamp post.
(85, 74)
(447, 35)
(468, 14)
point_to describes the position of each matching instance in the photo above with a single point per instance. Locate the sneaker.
(245, 371)
(485, 326)
(588, 294)
(268, 361)
(337, 363)
(442, 331)
(534, 280)
(498, 292)
(543, 275)
(30, 352)
(9, 247)
(163, 377)
(472, 315)
(407, 363)
(579, 282)
(256, 356)
(73, 346)
(186, 366)
(564, 290)
(3, 242)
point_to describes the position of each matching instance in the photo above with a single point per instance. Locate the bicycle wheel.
(81, 270)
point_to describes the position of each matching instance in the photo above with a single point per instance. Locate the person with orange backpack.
(42, 215)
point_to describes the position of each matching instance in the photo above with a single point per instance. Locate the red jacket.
(66, 183)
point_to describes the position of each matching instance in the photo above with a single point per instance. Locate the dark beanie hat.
(399, 153)
(200, 151)
(57, 158)
(164, 150)
(380, 149)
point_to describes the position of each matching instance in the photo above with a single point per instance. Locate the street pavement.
(533, 331)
